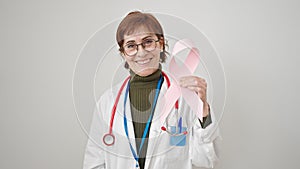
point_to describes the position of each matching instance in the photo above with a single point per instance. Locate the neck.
(154, 77)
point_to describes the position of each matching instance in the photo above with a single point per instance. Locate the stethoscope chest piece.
(109, 139)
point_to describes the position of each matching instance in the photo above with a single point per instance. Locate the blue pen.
(180, 124)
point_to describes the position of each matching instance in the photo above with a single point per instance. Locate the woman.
(137, 139)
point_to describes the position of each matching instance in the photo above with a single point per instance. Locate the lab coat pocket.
(172, 150)
(176, 153)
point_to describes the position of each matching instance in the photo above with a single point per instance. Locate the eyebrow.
(133, 41)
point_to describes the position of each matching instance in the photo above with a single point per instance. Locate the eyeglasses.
(131, 49)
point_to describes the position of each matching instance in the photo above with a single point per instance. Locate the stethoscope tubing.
(110, 136)
(113, 112)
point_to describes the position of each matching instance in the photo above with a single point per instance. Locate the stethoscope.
(109, 138)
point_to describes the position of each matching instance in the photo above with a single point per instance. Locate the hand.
(198, 85)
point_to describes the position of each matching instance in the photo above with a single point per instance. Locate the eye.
(148, 42)
(130, 46)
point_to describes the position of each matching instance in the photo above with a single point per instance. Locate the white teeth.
(143, 61)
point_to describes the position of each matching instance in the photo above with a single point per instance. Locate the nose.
(141, 52)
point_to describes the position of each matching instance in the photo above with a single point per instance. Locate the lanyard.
(136, 154)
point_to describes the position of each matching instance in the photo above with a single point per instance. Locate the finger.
(191, 78)
(199, 85)
(192, 81)
(198, 90)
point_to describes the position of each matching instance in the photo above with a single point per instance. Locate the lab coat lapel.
(120, 120)
(130, 123)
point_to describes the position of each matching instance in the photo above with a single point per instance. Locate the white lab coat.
(199, 149)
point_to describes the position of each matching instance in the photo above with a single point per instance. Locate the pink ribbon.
(188, 68)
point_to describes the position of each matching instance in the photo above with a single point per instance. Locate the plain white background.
(257, 42)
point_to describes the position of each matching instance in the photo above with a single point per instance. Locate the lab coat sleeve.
(203, 143)
(206, 121)
(94, 156)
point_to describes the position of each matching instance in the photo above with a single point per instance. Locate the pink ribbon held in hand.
(188, 68)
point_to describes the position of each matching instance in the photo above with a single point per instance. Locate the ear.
(161, 43)
(122, 54)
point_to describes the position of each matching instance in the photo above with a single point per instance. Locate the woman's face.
(144, 62)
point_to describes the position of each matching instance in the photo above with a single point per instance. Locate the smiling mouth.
(143, 62)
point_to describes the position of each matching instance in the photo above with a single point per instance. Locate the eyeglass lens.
(132, 48)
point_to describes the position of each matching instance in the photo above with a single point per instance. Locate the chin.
(146, 72)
